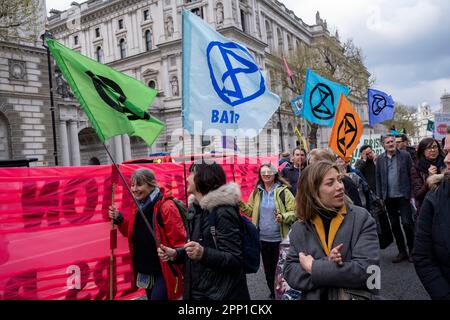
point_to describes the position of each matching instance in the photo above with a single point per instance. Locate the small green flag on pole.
(430, 126)
(115, 103)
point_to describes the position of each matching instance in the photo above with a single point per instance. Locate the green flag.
(114, 102)
(430, 126)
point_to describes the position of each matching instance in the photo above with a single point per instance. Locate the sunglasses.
(267, 173)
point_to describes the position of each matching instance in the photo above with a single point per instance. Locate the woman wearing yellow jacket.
(271, 206)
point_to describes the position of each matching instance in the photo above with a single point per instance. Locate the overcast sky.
(406, 43)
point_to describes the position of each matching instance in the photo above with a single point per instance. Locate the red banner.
(55, 233)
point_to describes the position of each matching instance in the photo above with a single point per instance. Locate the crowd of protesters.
(319, 202)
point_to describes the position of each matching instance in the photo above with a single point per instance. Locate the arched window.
(280, 39)
(5, 140)
(99, 54)
(289, 40)
(123, 49)
(148, 40)
(244, 21)
(269, 34)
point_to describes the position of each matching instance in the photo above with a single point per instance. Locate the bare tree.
(340, 63)
(19, 20)
(404, 117)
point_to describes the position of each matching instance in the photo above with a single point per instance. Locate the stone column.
(227, 13)
(64, 143)
(75, 145)
(110, 145)
(165, 69)
(126, 147)
(118, 150)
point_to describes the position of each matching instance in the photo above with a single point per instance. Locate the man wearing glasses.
(402, 143)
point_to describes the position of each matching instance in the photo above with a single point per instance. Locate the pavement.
(399, 281)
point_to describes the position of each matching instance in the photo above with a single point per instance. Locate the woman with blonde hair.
(350, 189)
(317, 155)
(272, 208)
(333, 243)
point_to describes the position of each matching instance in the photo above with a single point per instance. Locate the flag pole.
(150, 229)
(182, 113)
(112, 246)
(281, 127)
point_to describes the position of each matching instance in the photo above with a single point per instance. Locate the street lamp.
(47, 34)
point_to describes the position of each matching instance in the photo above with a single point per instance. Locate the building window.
(273, 81)
(146, 15)
(280, 39)
(206, 141)
(243, 21)
(120, 24)
(75, 40)
(152, 84)
(289, 40)
(99, 54)
(173, 61)
(198, 12)
(5, 138)
(97, 32)
(269, 35)
(123, 49)
(148, 40)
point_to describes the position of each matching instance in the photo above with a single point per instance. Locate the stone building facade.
(142, 38)
(445, 102)
(424, 114)
(25, 118)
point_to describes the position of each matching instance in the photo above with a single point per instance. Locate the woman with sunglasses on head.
(271, 206)
(430, 161)
(334, 244)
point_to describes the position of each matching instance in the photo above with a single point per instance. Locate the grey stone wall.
(24, 86)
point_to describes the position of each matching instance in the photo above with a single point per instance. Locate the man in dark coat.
(366, 165)
(402, 143)
(393, 173)
(292, 173)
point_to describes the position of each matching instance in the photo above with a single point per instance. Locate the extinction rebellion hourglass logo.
(347, 132)
(235, 77)
(378, 104)
(322, 102)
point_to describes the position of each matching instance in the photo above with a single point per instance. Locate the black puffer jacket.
(219, 274)
(431, 252)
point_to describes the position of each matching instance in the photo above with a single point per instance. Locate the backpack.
(250, 239)
(182, 210)
(282, 166)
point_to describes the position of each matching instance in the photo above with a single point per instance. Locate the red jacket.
(172, 235)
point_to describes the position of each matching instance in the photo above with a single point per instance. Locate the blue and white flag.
(381, 106)
(223, 87)
(321, 98)
(297, 105)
